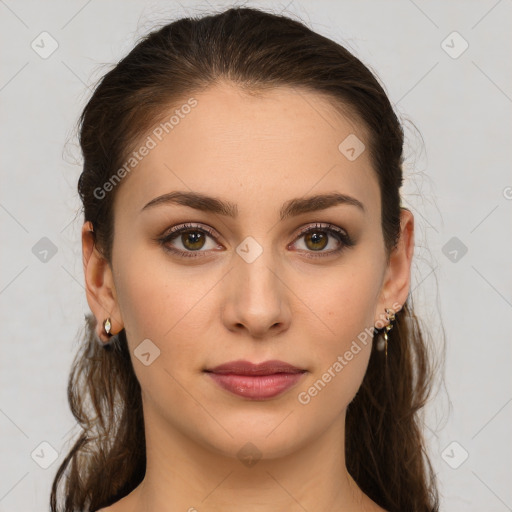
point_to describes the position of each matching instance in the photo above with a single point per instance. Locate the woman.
(243, 239)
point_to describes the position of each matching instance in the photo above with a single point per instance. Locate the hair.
(255, 51)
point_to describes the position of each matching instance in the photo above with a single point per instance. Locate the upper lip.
(241, 367)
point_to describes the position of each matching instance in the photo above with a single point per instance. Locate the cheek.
(326, 396)
(163, 304)
(340, 323)
(170, 308)
(339, 360)
(342, 304)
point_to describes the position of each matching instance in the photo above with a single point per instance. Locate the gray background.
(458, 184)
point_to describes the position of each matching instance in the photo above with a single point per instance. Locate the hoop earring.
(382, 344)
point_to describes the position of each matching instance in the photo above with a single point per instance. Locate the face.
(245, 283)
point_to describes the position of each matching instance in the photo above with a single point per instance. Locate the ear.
(99, 285)
(397, 278)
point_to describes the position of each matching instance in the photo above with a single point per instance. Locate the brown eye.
(193, 239)
(318, 237)
(316, 240)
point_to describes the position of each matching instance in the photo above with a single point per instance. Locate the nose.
(257, 298)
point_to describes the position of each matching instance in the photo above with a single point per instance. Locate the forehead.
(251, 148)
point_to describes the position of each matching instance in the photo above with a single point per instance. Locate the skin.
(258, 152)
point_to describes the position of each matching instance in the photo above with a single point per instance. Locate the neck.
(182, 474)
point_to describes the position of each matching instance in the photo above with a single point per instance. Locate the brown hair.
(385, 448)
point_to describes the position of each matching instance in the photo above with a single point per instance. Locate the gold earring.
(382, 344)
(390, 317)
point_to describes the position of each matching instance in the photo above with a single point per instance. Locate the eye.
(192, 239)
(316, 239)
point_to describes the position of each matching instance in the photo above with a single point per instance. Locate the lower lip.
(256, 387)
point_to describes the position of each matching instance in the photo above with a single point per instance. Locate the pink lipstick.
(256, 381)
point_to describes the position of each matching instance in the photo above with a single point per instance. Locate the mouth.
(241, 367)
(256, 381)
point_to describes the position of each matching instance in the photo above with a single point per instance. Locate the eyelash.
(331, 229)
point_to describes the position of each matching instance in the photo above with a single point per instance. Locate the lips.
(256, 381)
(247, 368)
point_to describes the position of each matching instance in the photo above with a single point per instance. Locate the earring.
(107, 325)
(382, 344)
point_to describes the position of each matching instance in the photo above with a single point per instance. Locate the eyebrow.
(290, 208)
